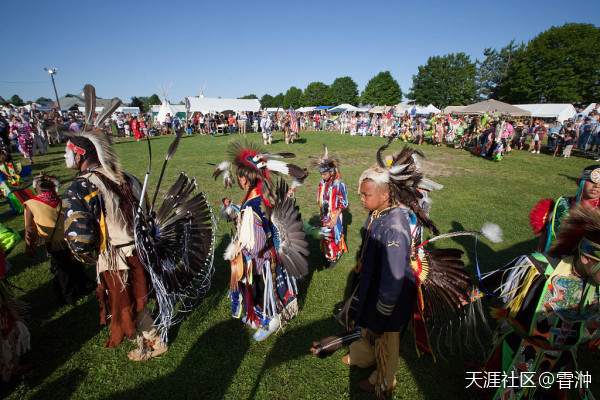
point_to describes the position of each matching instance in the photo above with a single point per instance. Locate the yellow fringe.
(515, 304)
(381, 357)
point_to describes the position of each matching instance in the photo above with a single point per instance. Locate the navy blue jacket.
(387, 282)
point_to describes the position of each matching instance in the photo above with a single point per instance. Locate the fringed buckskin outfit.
(98, 228)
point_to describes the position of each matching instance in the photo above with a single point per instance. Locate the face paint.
(590, 250)
(69, 158)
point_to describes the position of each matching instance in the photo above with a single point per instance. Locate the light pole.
(52, 72)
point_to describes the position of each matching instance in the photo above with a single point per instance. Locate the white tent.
(274, 109)
(119, 110)
(343, 108)
(430, 109)
(453, 109)
(165, 107)
(561, 112)
(305, 109)
(589, 108)
(208, 104)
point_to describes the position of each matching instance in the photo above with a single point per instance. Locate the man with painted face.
(549, 308)
(98, 223)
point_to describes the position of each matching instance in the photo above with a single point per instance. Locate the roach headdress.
(401, 172)
(583, 223)
(326, 162)
(46, 180)
(253, 163)
(92, 142)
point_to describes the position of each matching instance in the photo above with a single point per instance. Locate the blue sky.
(240, 47)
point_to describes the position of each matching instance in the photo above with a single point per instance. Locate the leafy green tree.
(249, 96)
(266, 101)
(343, 90)
(154, 99)
(136, 102)
(293, 96)
(16, 100)
(382, 90)
(560, 65)
(445, 80)
(278, 100)
(315, 94)
(43, 100)
(494, 69)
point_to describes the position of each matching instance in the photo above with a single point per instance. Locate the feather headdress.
(583, 222)
(46, 177)
(93, 135)
(326, 162)
(401, 172)
(252, 162)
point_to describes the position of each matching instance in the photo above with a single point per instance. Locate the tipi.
(165, 107)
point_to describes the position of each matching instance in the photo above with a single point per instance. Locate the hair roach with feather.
(252, 162)
(326, 162)
(401, 171)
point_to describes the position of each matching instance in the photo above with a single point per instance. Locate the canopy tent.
(560, 112)
(362, 109)
(494, 107)
(343, 108)
(305, 109)
(119, 110)
(274, 109)
(589, 108)
(323, 107)
(211, 104)
(378, 110)
(430, 109)
(453, 109)
(400, 110)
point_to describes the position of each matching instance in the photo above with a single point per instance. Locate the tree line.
(560, 65)
(382, 89)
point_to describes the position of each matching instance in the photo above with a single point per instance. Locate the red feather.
(539, 217)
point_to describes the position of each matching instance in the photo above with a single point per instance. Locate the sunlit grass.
(213, 356)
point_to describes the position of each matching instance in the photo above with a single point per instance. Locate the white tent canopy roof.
(274, 109)
(451, 109)
(305, 109)
(430, 109)
(559, 111)
(208, 104)
(589, 108)
(119, 110)
(343, 108)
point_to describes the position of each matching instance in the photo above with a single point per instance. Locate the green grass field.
(211, 355)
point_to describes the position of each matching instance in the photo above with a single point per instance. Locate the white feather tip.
(492, 232)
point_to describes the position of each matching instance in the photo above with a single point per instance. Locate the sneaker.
(331, 264)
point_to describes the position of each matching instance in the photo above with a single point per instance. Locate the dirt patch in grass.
(433, 169)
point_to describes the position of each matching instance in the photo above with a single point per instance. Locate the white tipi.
(165, 107)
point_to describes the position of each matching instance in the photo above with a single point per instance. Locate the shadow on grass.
(55, 341)
(487, 258)
(287, 348)
(204, 373)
